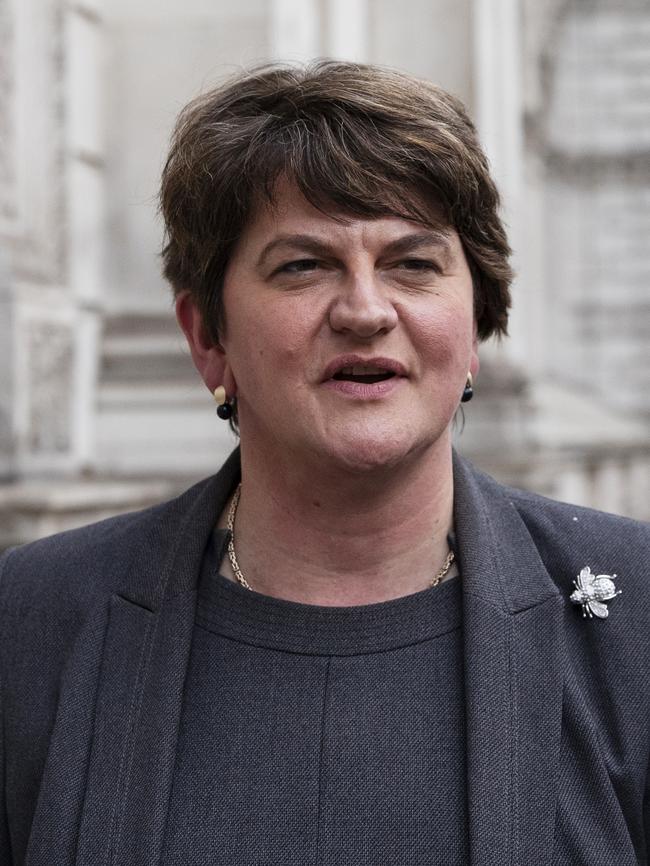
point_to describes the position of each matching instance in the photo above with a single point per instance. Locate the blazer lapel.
(514, 673)
(138, 713)
(127, 655)
(55, 826)
(107, 782)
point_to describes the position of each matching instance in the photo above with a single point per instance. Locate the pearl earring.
(224, 408)
(468, 391)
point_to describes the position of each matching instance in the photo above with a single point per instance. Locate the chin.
(363, 454)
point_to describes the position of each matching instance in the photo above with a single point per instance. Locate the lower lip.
(364, 390)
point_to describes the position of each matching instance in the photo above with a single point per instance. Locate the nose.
(362, 308)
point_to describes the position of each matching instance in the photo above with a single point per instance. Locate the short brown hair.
(356, 140)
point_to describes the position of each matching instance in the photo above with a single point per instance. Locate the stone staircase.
(154, 416)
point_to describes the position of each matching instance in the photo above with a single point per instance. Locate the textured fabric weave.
(320, 735)
(96, 629)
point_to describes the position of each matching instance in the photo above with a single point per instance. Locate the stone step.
(34, 509)
(154, 415)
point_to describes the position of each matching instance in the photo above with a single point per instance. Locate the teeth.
(363, 370)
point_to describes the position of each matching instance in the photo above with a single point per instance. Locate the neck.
(339, 538)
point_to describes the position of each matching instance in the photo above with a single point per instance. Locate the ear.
(209, 358)
(474, 363)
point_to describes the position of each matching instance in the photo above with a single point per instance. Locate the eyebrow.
(437, 238)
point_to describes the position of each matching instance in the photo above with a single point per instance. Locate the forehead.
(290, 213)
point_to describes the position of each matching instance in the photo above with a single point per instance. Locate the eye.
(300, 266)
(418, 265)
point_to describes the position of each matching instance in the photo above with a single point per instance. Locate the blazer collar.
(109, 769)
(514, 661)
(176, 540)
(123, 764)
(157, 617)
(499, 559)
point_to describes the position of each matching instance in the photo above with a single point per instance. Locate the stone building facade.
(100, 408)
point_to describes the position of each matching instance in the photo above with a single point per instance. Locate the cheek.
(279, 335)
(446, 337)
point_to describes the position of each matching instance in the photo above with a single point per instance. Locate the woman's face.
(346, 341)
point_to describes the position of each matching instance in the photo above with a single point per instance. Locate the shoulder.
(86, 562)
(602, 655)
(554, 522)
(57, 594)
(607, 538)
(51, 586)
(569, 537)
(558, 525)
(566, 537)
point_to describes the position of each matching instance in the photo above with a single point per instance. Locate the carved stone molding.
(32, 211)
(589, 132)
(50, 356)
(7, 119)
(586, 104)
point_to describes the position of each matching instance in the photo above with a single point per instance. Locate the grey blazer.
(95, 634)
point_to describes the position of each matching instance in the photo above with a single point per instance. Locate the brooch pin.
(591, 590)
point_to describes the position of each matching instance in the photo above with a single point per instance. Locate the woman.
(348, 646)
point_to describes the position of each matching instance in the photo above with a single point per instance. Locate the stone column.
(559, 109)
(592, 135)
(295, 29)
(347, 29)
(50, 167)
(496, 65)
(301, 30)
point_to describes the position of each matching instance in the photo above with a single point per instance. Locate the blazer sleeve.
(646, 819)
(5, 842)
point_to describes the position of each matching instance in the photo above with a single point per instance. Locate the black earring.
(224, 408)
(468, 391)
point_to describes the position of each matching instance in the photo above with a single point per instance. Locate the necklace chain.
(232, 556)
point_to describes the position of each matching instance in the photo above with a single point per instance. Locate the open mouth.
(365, 374)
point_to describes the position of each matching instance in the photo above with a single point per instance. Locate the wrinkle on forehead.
(395, 239)
(290, 217)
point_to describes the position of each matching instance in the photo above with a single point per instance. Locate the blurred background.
(100, 408)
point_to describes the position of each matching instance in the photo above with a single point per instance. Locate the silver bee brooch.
(591, 590)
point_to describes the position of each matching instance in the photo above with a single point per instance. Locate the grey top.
(320, 735)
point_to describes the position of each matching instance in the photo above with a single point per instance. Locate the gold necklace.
(232, 556)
